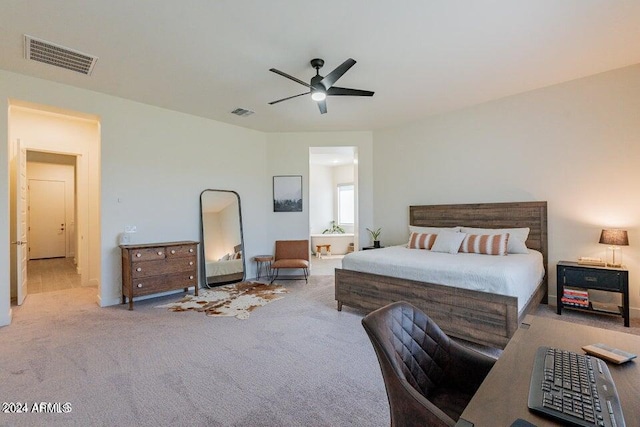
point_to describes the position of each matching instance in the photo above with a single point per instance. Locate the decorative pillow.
(487, 244)
(237, 255)
(517, 237)
(448, 241)
(421, 240)
(430, 230)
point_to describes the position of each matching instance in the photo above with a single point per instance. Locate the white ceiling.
(421, 57)
(331, 156)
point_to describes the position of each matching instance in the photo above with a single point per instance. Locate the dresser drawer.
(146, 254)
(163, 266)
(181, 251)
(152, 285)
(593, 279)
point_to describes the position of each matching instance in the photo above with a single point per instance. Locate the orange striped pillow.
(487, 244)
(421, 240)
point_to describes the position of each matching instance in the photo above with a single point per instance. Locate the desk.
(502, 397)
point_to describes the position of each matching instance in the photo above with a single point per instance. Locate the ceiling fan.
(321, 87)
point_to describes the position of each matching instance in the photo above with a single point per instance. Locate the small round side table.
(263, 262)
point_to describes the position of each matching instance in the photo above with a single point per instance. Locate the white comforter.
(516, 275)
(221, 268)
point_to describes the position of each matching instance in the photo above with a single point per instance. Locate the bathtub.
(339, 242)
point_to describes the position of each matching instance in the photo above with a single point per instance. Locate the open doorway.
(51, 235)
(333, 214)
(61, 150)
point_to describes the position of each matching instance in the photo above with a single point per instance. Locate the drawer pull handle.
(159, 252)
(190, 277)
(590, 279)
(173, 251)
(139, 285)
(190, 250)
(138, 255)
(190, 262)
(139, 269)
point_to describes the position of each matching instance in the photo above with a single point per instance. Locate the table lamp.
(615, 239)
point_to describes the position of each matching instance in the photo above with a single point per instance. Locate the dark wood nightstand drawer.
(593, 279)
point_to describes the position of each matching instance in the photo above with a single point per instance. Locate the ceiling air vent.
(242, 112)
(59, 56)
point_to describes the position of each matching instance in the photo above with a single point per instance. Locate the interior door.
(21, 222)
(47, 235)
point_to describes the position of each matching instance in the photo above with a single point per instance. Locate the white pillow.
(430, 230)
(517, 237)
(448, 241)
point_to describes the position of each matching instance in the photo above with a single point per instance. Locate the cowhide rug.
(238, 299)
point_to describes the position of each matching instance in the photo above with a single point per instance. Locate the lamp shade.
(614, 237)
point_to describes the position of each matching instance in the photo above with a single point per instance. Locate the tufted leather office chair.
(429, 378)
(291, 254)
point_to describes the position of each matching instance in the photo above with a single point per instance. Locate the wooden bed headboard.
(489, 215)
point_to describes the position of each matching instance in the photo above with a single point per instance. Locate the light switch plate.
(129, 228)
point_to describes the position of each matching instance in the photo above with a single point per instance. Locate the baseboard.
(6, 319)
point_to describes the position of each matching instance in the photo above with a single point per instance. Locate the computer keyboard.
(575, 389)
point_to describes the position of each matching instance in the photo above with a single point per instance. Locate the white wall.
(288, 154)
(320, 198)
(575, 145)
(155, 163)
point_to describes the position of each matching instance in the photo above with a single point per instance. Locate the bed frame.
(480, 317)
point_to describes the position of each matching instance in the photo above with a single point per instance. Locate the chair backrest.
(413, 353)
(292, 249)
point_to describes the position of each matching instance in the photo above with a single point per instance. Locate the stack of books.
(576, 298)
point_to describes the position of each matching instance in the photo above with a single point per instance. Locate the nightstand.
(610, 279)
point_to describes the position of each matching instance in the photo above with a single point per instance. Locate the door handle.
(18, 242)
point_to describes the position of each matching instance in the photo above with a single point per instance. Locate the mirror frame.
(203, 270)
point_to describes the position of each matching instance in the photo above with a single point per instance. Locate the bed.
(228, 269)
(483, 317)
(224, 271)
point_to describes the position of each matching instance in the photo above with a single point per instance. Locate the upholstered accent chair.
(291, 254)
(429, 378)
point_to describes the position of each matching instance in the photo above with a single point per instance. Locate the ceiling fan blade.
(333, 76)
(322, 105)
(289, 97)
(290, 77)
(343, 91)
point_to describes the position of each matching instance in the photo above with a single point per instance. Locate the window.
(345, 204)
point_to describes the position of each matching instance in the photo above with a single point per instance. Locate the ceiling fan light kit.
(318, 96)
(320, 87)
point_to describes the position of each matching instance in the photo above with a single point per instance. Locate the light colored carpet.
(296, 362)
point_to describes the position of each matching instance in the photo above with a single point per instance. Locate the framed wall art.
(287, 193)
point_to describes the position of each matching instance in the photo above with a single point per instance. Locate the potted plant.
(334, 229)
(375, 234)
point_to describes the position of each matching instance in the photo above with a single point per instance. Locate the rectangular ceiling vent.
(59, 56)
(242, 112)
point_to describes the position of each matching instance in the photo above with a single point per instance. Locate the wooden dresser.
(158, 267)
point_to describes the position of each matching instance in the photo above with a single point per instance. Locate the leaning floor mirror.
(222, 248)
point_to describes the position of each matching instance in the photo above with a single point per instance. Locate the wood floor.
(55, 274)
